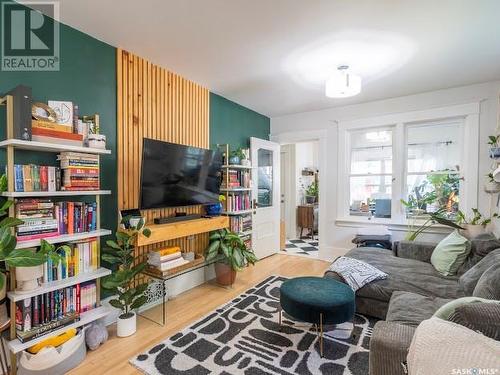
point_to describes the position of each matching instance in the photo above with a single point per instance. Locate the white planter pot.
(126, 326)
(27, 278)
(472, 231)
(245, 162)
(492, 187)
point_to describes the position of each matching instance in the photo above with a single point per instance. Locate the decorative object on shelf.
(42, 112)
(474, 225)
(230, 253)
(493, 141)
(96, 334)
(97, 141)
(236, 156)
(245, 161)
(22, 96)
(216, 208)
(491, 186)
(121, 282)
(64, 112)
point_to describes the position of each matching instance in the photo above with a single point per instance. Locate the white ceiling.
(272, 55)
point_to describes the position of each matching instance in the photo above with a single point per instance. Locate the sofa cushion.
(480, 317)
(445, 311)
(450, 253)
(407, 275)
(481, 246)
(470, 278)
(488, 285)
(411, 308)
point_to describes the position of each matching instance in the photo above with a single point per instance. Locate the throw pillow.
(356, 273)
(450, 253)
(446, 310)
(481, 246)
(480, 317)
(469, 279)
(488, 285)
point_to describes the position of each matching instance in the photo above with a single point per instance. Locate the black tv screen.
(175, 175)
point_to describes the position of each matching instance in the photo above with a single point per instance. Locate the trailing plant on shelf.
(130, 295)
(230, 253)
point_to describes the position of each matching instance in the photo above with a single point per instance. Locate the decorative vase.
(126, 324)
(310, 199)
(492, 187)
(214, 209)
(472, 231)
(224, 274)
(234, 160)
(27, 278)
(494, 152)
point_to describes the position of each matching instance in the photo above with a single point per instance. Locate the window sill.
(390, 224)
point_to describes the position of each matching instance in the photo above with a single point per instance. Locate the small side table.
(305, 218)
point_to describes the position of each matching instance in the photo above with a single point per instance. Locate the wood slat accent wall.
(153, 102)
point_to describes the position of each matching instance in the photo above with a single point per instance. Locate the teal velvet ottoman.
(317, 300)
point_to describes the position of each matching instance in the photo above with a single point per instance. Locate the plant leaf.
(110, 258)
(25, 258)
(146, 232)
(138, 302)
(113, 244)
(10, 222)
(116, 303)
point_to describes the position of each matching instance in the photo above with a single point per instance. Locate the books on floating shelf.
(166, 259)
(235, 179)
(33, 177)
(240, 224)
(80, 171)
(237, 202)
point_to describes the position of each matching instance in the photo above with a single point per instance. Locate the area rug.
(244, 337)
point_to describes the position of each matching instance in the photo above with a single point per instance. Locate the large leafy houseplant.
(230, 253)
(129, 294)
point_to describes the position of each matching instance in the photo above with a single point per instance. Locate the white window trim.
(398, 122)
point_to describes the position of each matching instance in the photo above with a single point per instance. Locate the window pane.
(370, 195)
(371, 152)
(434, 147)
(265, 178)
(428, 193)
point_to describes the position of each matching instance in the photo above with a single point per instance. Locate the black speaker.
(22, 111)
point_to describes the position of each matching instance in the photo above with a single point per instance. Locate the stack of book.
(240, 224)
(76, 217)
(42, 314)
(247, 240)
(237, 202)
(237, 179)
(36, 178)
(39, 218)
(80, 171)
(166, 259)
(52, 132)
(81, 258)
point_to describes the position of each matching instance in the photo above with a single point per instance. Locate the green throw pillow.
(449, 308)
(450, 254)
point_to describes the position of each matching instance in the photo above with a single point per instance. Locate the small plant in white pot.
(475, 225)
(493, 141)
(491, 186)
(129, 294)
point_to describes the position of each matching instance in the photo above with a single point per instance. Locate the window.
(433, 168)
(370, 177)
(265, 178)
(408, 165)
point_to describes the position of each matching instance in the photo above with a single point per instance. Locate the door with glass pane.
(266, 196)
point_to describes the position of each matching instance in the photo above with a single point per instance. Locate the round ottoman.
(317, 300)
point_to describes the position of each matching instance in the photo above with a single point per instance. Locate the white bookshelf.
(87, 317)
(236, 189)
(64, 238)
(59, 284)
(241, 212)
(50, 147)
(237, 166)
(61, 193)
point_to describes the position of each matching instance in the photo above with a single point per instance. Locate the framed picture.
(64, 111)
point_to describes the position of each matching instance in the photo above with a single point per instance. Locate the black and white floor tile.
(244, 338)
(302, 247)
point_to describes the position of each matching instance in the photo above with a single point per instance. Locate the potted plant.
(312, 193)
(245, 160)
(494, 149)
(230, 253)
(491, 186)
(130, 296)
(475, 225)
(236, 156)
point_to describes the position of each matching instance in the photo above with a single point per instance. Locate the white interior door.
(266, 197)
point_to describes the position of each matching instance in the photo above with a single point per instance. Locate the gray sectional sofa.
(414, 290)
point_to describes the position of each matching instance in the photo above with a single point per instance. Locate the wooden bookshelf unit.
(170, 231)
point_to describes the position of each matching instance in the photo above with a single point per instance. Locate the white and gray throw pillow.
(355, 272)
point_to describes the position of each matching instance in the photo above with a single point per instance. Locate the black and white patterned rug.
(244, 337)
(303, 247)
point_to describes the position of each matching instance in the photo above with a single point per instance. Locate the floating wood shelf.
(170, 231)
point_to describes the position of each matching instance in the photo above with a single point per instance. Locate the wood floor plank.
(113, 356)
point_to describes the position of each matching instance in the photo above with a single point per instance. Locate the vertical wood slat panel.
(155, 103)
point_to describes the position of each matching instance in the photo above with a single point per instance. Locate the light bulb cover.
(342, 84)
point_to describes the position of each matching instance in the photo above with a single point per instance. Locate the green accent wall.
(234, 124)
(87, 77)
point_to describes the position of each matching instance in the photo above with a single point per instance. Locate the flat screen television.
(175, 175)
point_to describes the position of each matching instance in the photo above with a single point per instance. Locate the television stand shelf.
(170, 231)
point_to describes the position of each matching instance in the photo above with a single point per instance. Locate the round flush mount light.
(343, 83)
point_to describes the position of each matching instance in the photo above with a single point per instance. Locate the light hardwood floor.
(113, 356)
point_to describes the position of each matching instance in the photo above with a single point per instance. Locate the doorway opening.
(300, 198)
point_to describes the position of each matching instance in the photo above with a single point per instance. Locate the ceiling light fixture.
(343, 84)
